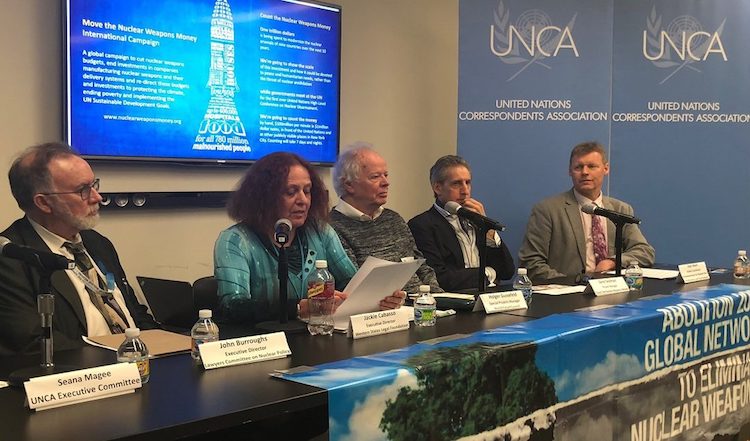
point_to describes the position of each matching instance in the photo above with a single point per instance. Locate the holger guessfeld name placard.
(84, 385)
(500, 301)
(244, 350)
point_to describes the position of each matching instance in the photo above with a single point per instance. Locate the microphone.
(44, 260)
(472, 216)
(281, 230)
(614, 216)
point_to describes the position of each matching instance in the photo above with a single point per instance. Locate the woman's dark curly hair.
(257, 200)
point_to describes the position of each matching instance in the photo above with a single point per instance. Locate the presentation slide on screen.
(225, 80)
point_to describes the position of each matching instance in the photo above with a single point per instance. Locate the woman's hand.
(340, 297)
(304, 307)
(393, 301)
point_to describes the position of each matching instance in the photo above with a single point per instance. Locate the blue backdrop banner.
(657, 82)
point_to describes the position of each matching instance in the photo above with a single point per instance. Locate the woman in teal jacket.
(279, 186)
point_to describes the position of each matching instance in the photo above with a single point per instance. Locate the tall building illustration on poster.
(221, 128)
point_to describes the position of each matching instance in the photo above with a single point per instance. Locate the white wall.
(399, 91)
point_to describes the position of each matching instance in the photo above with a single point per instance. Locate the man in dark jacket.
(58, 192)
(450, 243)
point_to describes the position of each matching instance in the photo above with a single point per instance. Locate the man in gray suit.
(562, 241)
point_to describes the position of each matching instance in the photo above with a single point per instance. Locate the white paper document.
(557, 290)
(453, 295)
(655, 273)
(375, 280)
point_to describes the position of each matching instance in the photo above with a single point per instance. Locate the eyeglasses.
(84, 191)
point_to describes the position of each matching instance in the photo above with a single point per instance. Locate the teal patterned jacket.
(247, 272)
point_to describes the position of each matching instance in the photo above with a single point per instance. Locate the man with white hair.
(366, 228)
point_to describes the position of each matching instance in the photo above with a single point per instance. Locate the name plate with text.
(83, 385)
(693, 272)
(610, 285)
(377, 323)
(244, 350)
(500, 301)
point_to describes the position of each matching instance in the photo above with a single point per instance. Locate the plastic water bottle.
(133, 350)
(320, 300)
(634, 276)
(741, 265)
(424, 307)
(522, 283)
(204, 331)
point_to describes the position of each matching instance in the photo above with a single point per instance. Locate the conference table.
(182, 400)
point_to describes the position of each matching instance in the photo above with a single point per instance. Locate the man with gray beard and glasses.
(59, 194)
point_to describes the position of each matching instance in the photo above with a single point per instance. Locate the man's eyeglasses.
(84, 191)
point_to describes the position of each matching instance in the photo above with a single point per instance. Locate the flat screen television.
(216, 81)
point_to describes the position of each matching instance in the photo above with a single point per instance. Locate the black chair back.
(205, 294)
(171, 301)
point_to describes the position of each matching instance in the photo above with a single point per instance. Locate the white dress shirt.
(95, 322)
(349, 211)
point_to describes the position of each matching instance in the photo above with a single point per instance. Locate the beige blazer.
(555, 245)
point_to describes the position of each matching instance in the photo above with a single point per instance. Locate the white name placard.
(610, 285)
(693, 272)
(380, 322)
(243, 350)
(500, 301)
(83, 385)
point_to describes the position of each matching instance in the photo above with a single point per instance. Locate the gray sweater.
(388, 238)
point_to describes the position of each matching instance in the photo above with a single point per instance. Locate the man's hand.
(474, 205)
(604, 266)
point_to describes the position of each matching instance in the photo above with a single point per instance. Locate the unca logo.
(531, 40)
(680, 44)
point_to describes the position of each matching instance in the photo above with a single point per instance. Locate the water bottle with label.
(741, 265)
(522, 283)
(204, 331)
(634, 276)
(424, 307)
(320, 299)
(133, 350)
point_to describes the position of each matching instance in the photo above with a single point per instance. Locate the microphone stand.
(46, 307)
(619, 224)
(283, 275)
(481, 247)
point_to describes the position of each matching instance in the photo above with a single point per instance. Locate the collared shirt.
(466, 235)
(95, 322)
(586, 220)
(349, 211)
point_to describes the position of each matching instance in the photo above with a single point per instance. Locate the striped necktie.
(110, 310)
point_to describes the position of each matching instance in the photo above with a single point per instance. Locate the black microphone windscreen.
(282, 222)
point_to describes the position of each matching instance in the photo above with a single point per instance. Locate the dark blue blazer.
(437, 240)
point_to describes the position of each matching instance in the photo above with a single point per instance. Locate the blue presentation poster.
(203, 79)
